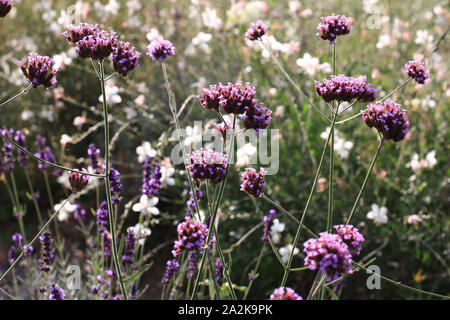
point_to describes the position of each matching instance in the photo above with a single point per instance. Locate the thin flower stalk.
(17, 95)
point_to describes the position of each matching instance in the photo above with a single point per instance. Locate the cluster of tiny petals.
(5, 7)
(98, 46)
(388, 118)
(233, 97)
(160, 49)
(56, 293)
(252, 181)
(330, 254)
(78, 181)
(333, 26)
(257, 118)
(39, 70)
(74, 33)
(256, 31)
(352, 238)
(192, 235)
(417, 71)
(343, 88)
(125, 58)
(207, 164)
(285, 293)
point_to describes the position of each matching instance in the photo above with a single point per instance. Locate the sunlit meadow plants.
(133, 225)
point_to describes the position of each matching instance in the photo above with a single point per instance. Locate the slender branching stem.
(112, 222)
(254, 273)
(372, 164)
(294, 85)
(34, 239)
(21, 93)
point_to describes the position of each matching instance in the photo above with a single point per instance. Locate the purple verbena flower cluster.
(285, 293)
(125, 58)
(343, 88)
(151, 181)
(191, 236)
(5, 7)
(207, 164)
(417, 71)
(256, 31)
(388, 118)
(160, 50)
(329, 254)
(252, 181)
(257, 118)
(333, 26)
(17, 244)
(351, 237)
(39, 71)
(97, 46)
(79, 213)
(268, 223)
(78, 181)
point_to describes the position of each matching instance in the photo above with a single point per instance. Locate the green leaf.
(145, 267)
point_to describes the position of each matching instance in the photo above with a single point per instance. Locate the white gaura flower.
(310, 65)
(377, 214)
(193, 136)
(431, 159)
(66, 211)
(112, 96)
(145, 150)
(341, 146)
(147, 205)
(141, 232)
(276, 230)
(428, 162)
(210, 19)
(423, 37)
(166, 176)
(63, 179)
(245, 154)
(286, 251)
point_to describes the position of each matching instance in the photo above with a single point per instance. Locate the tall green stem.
(299, 228)
(108, 186)
(16, 96)
(36, 204)
(355, 205)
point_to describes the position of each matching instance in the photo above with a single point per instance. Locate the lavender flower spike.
(47, 251)
(171, 267)
(56, 293)
(160, 50)
(268, 223)
(38, 70)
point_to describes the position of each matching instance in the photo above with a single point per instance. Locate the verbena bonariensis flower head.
(207, 164)
(329, 254)
(258, 117)
(46, 251)
(256, 31)
(39, 70)
(98, 46)
(352, 238)
(5, 7)
(210, 97)
(151, 180)
(74, 33)
(268, 223)
(22, 158)
(128, 251)
(417, 71)
(78, 181)
(56, 293)
(388, 118)
(160, 49)
(236, 97)
(252, 181)
(8, 160)
(191, 236)
(285, 293)
(343, 88)
(125, 58)
(171, 267)
(333, 26)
